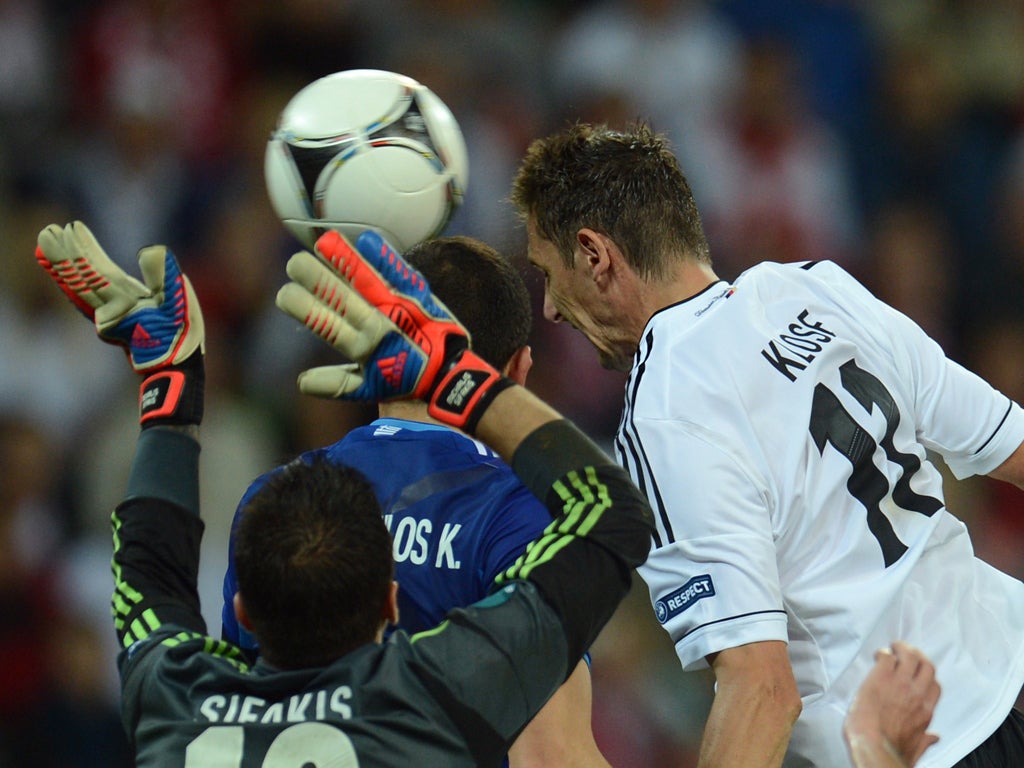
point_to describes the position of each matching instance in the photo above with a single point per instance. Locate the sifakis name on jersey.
(794, 349)
(314, 705)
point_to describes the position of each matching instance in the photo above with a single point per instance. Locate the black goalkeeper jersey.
(456, 695)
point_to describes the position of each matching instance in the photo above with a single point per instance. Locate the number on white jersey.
(831, 423)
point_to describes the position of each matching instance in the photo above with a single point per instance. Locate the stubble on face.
(575, 298)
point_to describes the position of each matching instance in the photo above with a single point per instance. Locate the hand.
(893, 708)
(379, 312)
(158, 323)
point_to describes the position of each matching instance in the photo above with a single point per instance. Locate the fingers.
(81, 268)
(354, 269)
(910, 662)
(406, 280)
(348, 324)
(80, 242)
(58, 261)
(392, 267)
(911, 682)
(174, 298)
(157, 266)
(332, 309)
(331, 381)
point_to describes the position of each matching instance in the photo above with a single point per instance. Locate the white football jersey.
(780, 428)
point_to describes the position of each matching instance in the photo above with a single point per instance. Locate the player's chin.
(614, 362)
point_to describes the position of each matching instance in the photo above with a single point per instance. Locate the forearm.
(560, 735)
(1012, 470)
(744, 732)
(601, 528)
(166, 466)
(514, 414)
(157, 532)
(756, 705)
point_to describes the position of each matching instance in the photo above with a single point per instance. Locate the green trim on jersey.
(584, 500)
(222, 649)
(125, 599)
(430, 632)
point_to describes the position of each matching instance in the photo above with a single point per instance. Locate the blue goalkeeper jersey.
(457, 514)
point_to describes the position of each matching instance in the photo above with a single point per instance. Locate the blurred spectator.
(153, 109)
(646, 710)
(911, 266)
(996, 351)
(995, 277)
(82, 721)
(42, 376)
(676, 64)
(172, 60)
(491, 75)
(775, 184)
(834, 44)
(302, 39)
(924, 141)
(28, 608)
(30, 96)
(984, 39)
(797, 122)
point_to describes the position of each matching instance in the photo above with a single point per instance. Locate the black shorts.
(1003, 749)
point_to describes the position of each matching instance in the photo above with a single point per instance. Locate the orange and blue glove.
(379, 312)
(157, 322)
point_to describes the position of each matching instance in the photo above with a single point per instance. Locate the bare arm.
(888, 720)
(1012, 470)
(560, 735)
(756, 704)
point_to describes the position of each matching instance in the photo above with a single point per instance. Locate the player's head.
(314, 564)
(626, 185)
(482, 289)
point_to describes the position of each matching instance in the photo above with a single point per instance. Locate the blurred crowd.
(887, 136)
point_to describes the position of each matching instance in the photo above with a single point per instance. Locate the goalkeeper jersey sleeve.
(455, 695)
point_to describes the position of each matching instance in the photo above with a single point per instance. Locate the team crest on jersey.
(679, 600)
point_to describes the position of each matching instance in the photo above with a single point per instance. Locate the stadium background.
(887, 136)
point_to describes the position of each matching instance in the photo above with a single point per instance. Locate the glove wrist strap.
(173, 395)
(465, 392)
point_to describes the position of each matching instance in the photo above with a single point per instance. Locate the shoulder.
(168, 662)
(804, 273)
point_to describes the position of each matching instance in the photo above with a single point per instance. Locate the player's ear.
(240, 613)
(519, 365)
(596, 250)
(390, 611)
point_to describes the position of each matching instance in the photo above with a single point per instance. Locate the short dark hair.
(482, 289)
(314, 563)
(625, 184)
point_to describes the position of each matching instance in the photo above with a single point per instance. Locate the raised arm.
(376, 310)
(159, 325)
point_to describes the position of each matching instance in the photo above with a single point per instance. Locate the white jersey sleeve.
(781, 428)
(729, 553)
(958, 415)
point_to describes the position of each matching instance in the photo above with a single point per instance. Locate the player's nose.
(550, 310)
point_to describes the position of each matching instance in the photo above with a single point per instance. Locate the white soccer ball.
(366, 149)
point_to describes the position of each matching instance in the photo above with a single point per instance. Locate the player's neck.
(691, 279)
(410, 410)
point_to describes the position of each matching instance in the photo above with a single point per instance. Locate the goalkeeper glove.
(158, 323)
(374, 308)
